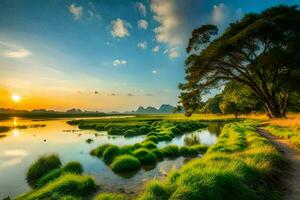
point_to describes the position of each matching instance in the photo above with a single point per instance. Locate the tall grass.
(292, 133)
(41, 167)
(68, 184)
(241, 165)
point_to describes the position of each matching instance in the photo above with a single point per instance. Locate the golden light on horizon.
(16, 98)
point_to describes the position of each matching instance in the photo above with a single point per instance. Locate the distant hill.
(163, 109)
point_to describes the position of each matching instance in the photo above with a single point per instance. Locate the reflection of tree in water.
(191, 139)
(215, 127)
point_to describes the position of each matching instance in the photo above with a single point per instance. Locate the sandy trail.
(292, 154)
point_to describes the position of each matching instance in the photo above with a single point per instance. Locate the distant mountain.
(163, 109)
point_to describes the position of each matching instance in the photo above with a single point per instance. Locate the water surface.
(21, 147)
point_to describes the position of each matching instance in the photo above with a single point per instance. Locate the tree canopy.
(261, 51)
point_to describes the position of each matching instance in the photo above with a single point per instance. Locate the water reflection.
(22, 146)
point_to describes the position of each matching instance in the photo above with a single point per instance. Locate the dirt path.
(291, 181)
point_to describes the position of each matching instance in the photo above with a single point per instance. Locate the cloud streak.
(13, 51)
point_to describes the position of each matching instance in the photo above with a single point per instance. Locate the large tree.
(261, 51)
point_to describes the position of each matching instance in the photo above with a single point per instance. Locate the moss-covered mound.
(99, 150)
(110, 153)
(68, 184)
(145, 156)
(171, 151)
(125, 163)
(42, 166)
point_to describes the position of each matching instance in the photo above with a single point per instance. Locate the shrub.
(171, 151)
(125, 163)
(145, 156)
(73, 167)
(110, 153)
(68, 184)
(158, 153)
(149, 145)
(42, 166)
(99, 150)
(110, 196)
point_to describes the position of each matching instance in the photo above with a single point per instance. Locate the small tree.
(261, 51)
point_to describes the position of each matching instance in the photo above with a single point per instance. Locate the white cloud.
(141, 8)
(171, 29)
(76, 11)
(156, 48)
(142, 45)
(120, 28)
(154, 72)
(143, 24)
(220, 13)
(13, 51)
(119, 62)
(173, 52)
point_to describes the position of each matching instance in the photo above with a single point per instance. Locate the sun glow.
(16, 97)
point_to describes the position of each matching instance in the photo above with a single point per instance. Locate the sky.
(106, 55)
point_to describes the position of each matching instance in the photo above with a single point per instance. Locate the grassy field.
(287, 128)
(240, 165)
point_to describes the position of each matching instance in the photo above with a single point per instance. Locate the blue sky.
(100, 54)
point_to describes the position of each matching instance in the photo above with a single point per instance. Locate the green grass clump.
(41, 167)
(176, 131)
(89, 140)
(156, 191)
(110, 196)
(73, 167)
(152, 138)
(68, 184)
(148, 145)
(144, 130)
(130, 133)
(70, 167)
(110, 153)
(125, 163)
(184, 151)
(171, 151)
(4, 129)
(98, 152)
(145, 156)
(115, 131)
(201, 148)
(158, 153)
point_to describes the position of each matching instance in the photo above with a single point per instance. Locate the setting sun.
(16, 97)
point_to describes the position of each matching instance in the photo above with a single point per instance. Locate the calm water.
(21, 147)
